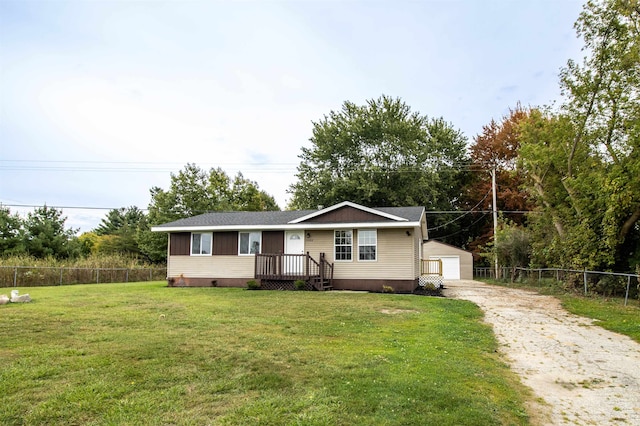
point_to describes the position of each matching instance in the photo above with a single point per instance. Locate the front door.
(294, 244)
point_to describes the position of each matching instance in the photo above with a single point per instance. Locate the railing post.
(255, 266)
(307, 268)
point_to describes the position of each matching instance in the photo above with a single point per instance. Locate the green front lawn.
(609, 313)
(146, 354)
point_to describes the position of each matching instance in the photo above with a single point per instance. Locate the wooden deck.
(431, 273)
(288, 268)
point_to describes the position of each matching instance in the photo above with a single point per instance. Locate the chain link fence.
(608, 284)
(33, 276)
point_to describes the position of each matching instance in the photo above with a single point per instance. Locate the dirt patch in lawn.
(585, 374)
(398, 311)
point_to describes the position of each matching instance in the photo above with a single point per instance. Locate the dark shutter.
(225, 242)
(272, 242)
(180, 243)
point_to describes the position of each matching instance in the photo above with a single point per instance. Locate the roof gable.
(348, 212)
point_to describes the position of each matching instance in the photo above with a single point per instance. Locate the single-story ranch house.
(345, 246)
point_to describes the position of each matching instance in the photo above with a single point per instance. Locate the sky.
(102, 100)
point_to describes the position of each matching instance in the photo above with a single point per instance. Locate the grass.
(609, 312)
(146, 354)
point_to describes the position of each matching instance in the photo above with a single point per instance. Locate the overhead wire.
(462, 215)
(465, 229)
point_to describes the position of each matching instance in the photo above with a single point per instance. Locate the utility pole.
(495, 219)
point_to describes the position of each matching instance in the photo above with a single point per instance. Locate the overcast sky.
(101, 100)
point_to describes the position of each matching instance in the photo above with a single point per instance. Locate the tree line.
(127, 231)
(568, 185)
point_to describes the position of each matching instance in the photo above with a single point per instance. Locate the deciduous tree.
(11, 233)
(381, 154)
(496, 148)
(195, 191)
(583, 163)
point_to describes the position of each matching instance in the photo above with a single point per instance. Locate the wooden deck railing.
(326, 270)
(285, 266)
(431, 267)
(289, 267)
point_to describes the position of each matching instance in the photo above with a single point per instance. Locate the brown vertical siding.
(347, 215)
(272, 242)
(225, 243)
(180, 243)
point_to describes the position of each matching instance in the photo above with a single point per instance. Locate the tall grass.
(92, 261)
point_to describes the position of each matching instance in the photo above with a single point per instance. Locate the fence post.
(150, 274)
(15, 276)
(539, 275)
(127, 276)
(585, 282)
(626, 296)
(61, 276)
(98, 276)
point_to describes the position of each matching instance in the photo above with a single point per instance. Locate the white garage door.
(450, 266)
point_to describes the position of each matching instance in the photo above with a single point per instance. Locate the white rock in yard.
(3, 299)
(16, 298)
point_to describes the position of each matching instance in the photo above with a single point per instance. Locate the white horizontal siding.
(211, 266)
(397, 255)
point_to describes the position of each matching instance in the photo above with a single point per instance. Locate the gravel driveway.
(586, 374)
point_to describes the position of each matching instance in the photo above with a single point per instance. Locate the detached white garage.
(457, 264)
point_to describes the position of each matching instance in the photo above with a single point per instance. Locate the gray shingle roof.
(270, 218)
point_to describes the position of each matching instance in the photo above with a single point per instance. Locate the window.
(200, 244)
(343, 243)
(367, 244)
(249, 242)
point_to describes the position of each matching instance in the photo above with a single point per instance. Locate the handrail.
(431, 267)
(283, 266)
(326, 267)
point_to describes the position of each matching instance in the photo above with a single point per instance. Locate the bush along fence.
(609, 284)
(32, 276)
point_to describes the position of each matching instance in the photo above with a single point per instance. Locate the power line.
(466, 229)
(63, 207)
(161, 167)
(145, 209)
(462, 215)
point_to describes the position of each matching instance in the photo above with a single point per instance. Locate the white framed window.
(343, 244)
(367, 244)
(250, 242)
(201, 243)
